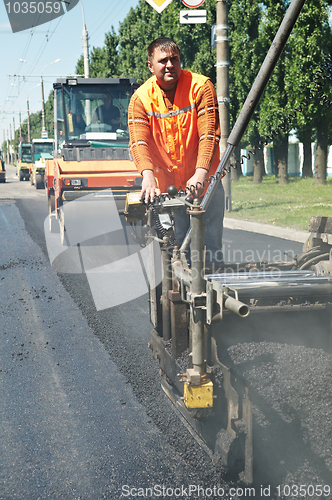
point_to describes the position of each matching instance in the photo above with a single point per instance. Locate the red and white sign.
(193, 4)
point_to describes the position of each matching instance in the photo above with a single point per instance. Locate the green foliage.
(292, 78)
(275, 98)
(310, 41)
(246, 56)
(143, 24)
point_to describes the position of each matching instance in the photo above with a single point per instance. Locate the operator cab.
(25, 155)
(91, 118)
(42, 148)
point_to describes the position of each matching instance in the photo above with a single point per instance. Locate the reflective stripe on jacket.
(174, 137)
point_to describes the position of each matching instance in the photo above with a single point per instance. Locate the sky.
(44, 44)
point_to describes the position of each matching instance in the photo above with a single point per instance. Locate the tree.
(274, 102)
(143, 24)
(309, 43)
(246, 56)
(290, 81)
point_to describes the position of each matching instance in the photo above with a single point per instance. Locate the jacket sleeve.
(139, 130)
(208, 125)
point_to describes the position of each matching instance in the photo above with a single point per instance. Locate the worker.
(174, 139)
(107, 113)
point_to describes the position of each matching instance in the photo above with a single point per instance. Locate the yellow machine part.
(133, 203)
(199, 396)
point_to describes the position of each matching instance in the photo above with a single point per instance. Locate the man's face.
(166, 66)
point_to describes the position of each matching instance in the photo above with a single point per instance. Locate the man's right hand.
(149, 186)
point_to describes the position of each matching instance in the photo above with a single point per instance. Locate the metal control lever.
(173, 194)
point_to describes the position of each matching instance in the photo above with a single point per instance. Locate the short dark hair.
(166, 44)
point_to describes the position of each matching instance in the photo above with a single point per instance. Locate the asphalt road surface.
(82, 413)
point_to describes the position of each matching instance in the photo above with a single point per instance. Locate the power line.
(114, 14)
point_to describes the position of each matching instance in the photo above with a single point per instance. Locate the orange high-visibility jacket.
(173, 145)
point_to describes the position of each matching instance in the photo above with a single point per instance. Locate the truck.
(24, 161)
(42, 150)
(91, 151)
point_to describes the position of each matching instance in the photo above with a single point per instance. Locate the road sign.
(193, 4)
(159, 5)
(192, 16)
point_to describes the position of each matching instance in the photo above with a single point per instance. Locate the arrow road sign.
(159, 5)
(192, 16)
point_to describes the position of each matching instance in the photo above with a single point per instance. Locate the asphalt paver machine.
(195, 313)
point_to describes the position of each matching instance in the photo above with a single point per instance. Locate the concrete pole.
(44, 133)
(8, 156)
(85, 47)
(29, 135)
(223, 88)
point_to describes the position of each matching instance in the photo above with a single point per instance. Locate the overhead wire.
(114, 14)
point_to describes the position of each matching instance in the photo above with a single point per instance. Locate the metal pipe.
(236, 306)
(222, 67)
(197, 288)
(283, 290)
(180, 273)
(253, 276)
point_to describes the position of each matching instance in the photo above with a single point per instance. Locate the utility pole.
(19, 114)
(85, 47)
(8, 157)
(29, 135)
(44, 131)
(223, 87)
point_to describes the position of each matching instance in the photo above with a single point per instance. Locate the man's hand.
(149, 186)
(197, 180)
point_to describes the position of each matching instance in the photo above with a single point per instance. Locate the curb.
(276, 231)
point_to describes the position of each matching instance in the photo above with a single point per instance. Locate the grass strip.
(289, 205)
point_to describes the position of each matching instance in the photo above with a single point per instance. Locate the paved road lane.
(70, 426)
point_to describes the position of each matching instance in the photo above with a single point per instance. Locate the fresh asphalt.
(82, 412)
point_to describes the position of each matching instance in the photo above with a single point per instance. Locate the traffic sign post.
(192, 16)
(159, 5)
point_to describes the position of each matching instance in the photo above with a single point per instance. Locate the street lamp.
(44, 131)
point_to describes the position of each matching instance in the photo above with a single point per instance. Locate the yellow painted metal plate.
(159, 5)
(198, 396)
